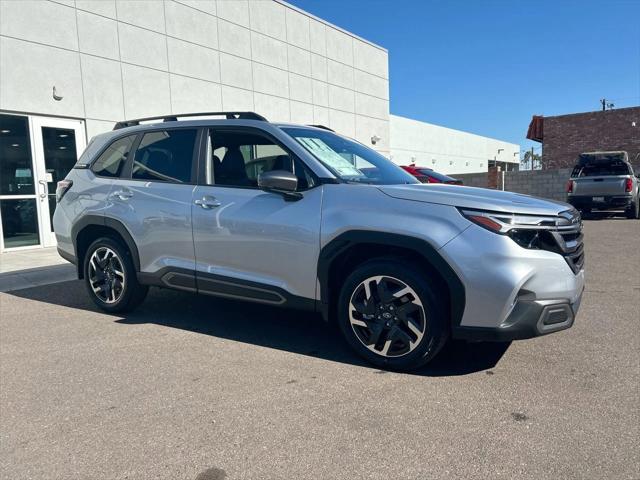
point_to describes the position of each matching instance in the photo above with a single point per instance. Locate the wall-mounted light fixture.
(375, 139)
(56, 94)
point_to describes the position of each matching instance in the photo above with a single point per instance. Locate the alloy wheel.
(106, 275)
(387, 316)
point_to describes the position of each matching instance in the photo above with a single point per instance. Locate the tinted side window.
(165, 156)
(112, 161)
(238, 157)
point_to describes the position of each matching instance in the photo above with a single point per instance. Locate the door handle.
(207, 202)
(44, 187)
(123, 194)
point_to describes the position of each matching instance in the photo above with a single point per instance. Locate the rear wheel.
(634, 210)
(110, 276)
(392, 314)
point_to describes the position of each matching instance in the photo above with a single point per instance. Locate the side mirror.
(280, 181)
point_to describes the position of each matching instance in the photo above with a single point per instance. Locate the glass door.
(57, 145)
(18, 199)
(35, 152)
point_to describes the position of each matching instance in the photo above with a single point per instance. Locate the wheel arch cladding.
(350, 249)
(90, 228)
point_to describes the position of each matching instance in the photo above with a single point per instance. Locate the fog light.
(556, 316)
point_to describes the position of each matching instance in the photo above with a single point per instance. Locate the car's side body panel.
(87, 198)
(259, 237)
(158, 217)
(366, 207)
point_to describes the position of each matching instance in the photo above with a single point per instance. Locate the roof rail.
(323, 127)
(173, 118)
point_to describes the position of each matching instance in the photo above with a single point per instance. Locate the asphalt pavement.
(193, 387)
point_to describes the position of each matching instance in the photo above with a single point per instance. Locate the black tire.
(116, 293)
(399, 354)
(634, 210)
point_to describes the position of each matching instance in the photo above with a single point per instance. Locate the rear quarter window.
(111, 162)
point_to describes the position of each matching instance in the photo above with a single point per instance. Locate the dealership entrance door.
(35, 153)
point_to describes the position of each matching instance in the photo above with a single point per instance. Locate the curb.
(35, 277)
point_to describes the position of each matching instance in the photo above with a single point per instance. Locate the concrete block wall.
(480, 179)
(539, 183)
(117, 59)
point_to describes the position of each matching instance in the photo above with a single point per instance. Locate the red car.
(427, 175)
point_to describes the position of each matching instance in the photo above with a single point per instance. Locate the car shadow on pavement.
(289, 330)
(604, 215)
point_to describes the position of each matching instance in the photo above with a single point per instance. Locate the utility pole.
(531, 158)
(603, 101)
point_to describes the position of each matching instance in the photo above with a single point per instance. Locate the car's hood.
(475, 198)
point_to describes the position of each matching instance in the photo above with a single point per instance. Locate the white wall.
(444, 149)
(119, 59)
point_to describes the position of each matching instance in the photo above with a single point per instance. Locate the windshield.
(350, 161)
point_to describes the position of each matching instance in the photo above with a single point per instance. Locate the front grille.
(576, 258)
(569, 238)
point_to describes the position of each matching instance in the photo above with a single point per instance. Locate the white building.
(446, 150)
(71, 68)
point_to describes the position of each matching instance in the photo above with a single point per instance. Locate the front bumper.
(606, 202)
(528, 319)
(511, 292)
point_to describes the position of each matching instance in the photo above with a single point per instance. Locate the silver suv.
(299, 216)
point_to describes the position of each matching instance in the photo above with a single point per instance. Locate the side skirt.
(225, 287)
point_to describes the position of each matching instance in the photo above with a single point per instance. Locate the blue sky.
(487, 66)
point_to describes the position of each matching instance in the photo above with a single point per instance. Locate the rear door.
(152, 198)
(252, 244)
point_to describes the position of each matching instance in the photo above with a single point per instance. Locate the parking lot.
(193, 387)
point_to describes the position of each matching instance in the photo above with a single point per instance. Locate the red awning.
(536, 130)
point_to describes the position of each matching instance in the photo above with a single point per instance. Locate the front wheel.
(110, 276)
(392, 314)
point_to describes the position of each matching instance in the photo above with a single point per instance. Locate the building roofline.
(329, 24)
(454, 129)
(592, 111)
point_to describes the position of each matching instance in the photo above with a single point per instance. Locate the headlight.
(528, 231)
